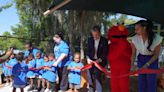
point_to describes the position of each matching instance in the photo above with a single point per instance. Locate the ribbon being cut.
(108, 73)
(43, 67)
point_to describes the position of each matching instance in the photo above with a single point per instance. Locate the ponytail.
(150, 33)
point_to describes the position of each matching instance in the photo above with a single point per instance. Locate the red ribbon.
(42, 67)
(141, 71)
(7, 66)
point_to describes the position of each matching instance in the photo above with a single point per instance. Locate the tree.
(5, 7)
(76, 25)
(6, 43)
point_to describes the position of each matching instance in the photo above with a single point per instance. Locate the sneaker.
(30, 88)
(7, 84)
(47, 90)
(38, 89)
(43, 90)
(35, 90)
(11, 84)
(61, 91)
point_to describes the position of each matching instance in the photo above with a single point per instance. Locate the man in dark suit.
(97, 50)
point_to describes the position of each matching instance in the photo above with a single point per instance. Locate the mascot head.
(117, 33)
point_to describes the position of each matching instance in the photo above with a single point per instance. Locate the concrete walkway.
(9, 89)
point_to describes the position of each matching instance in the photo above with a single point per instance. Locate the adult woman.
(63, 58)
(147, 44)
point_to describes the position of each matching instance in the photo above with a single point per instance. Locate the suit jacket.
(102, 50)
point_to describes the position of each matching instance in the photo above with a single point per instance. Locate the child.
(160, 83)
(50, 74)
(52, 58)
(39, 71)
(6, 73)
(19, 73)
(12, 61)
(31, 73)
(74, 76)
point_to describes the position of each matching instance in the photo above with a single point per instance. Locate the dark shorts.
(19, 86)
(76, 86)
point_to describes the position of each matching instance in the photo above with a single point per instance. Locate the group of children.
(39, 73)
(42, 69)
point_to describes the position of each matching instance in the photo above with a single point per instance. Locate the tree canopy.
(76, 25)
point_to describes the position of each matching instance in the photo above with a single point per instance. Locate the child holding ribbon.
(74, 76)
(5, 70)
(39, 69)
(50, 74)
(19, 73)
(12, 61)
(31, 73)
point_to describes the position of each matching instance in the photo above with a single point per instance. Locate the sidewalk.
(9, 89)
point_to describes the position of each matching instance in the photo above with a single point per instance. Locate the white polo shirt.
(141, 47)
(96, 44)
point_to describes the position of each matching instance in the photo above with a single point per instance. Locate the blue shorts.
(19, 86)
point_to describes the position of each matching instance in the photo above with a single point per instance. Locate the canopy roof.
(150, 9)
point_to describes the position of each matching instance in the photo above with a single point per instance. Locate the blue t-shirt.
(5, 69)
(34, 51)
(19, 72)
(46, 63)
(31, 64)
(49, 64)
(12, 62)
(50, 75)
(39, 62)
(60, 48)
(74, 75)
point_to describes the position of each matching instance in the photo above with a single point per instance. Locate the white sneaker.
(47, 90)
(61, 91)
(11, 84)
(7, 84)
(27, 87)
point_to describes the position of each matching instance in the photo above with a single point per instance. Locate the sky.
(8, 17)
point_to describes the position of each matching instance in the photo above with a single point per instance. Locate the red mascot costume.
(119, 57)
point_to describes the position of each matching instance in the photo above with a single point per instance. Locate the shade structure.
(149, 9)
